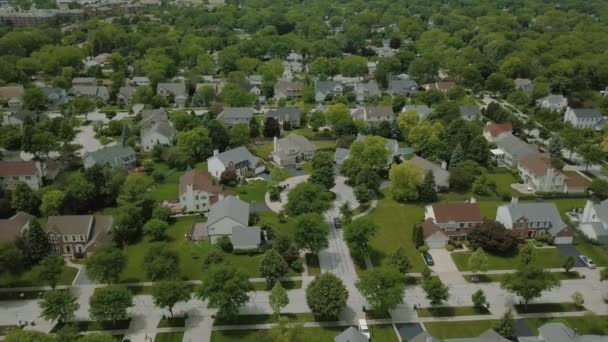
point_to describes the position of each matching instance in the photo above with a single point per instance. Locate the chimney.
(274, 144)
(216, 152)
(514, 200)
(473, 200)
(444, 165)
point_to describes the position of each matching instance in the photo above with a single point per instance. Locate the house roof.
(231, 207)
(371, 87)
(382, 112)
(442, 176)
(175, 88)
(162, 128)
(17, 168)
(422, 110)
(537, 164)
(294, 143)
(558, 332)
(537, 212)
(456, 212)
(401, 86)
(10, 229)
(488, 336)
(237, 155)
(127, 91)
(429, 228)
(236, 113)
(351, 335)
(495, 129)
(70, 224)
(199, 180)
(152, 116)
(9, 92)
(84, 80)
(424, 337)
(288, 85)
(110, 155)
(326, 86)
(88, 90)
(246, 236)
(390, 144)
(341, 155)
(469, 110)
(284, 113)
(586, 113)
(552, 99)
(515, 146)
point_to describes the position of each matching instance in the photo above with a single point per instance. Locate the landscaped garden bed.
(287, 285)
(20, 295)
(264, 319)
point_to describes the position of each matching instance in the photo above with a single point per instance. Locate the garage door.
(436, 243)
(563, 240)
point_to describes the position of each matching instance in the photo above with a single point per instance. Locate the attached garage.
(433, 235)
(564, 237)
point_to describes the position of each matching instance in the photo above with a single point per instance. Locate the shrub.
(214, 257)
(449, 248)
(492, 237)
(423, 249)
(297, 266)
(225, 244)
(158, 176)
(274, 193)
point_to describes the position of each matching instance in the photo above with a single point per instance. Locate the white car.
(588, 262)
(364, 329)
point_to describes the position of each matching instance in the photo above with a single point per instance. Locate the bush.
(544, 237)
(423, 249)
(539, 243)
(466, 243)
(225, 244)
(274, 193)
(449, 248)
(493, 237)
(158, 176)
(214, 257)
(297, 266)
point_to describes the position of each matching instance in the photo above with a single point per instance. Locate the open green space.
(312, 262)
(458, 329)
(169, 337)
(547, 307)
(287, 285)
(262, 149)
(589, 324)
(30, 278)
(325, 144)
(175, 322)
(450, 311)
(489, 278)
(168, 189)
(253, 191)
(503, 182)
(545, 258)
(380, 333)
(95, 325)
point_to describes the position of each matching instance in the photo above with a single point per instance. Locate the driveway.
(445, 267)
(295, 172)
(407, 331)
(570, 250)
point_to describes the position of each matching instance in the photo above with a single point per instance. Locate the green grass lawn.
(546, 258)
(168, 189)
(264, 319)
(287, 285)
(503, 183)
(380, 333)
(588, 324)
(446, 311)
(488, 278)
(253, 191)
(271, 219)
(597, 253)
(458, 329)
(312, 262)
(262, 149)
(172, 322)
(547, 307)
(169, 337)
(325, 144)
(29, 278)
(4, 329)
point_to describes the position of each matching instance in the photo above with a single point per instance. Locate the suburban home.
(125, 95)
(77, 235)
(524, 85)
(283, 115)
(454, 219)
(539, 175)
(117, 155)
(443, 86)
(139, 81)
(594, 221)
(585, 118)
(327, 89)
(255, 80)
(529, 219)
(364, 91)
(351, 335)
(423, 111)
(442, 176)
(292, 149)
(433, 236)
(55, 96)
(12, 95)
(291, 68)
(231, 116)
(286, 89)
(424, 337)
(371, 67)
(150, 117)
(230, 217)
(13, 227)
(294, 57)
(161, 133)
(558, 332)
(198, 191)
(84, 81)
(31, 172)
(553, 102)
(402, 86)
(348, 81)
(374, 114)
(470, 112)
(176, 91)
(257, 91)
(511, 150)
(496, 131)
(489, 335)
(93, 92)
(238, 159)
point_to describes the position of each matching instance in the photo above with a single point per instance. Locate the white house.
(553, 102)
(292, 149)
(594, 222)
(513, 150)
(161, 133)
(495, 131)
(238, 159)
(584, 118)
(529, 219)
(539, 175)
(198, 191)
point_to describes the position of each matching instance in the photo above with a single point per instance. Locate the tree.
(457, 155)
(52, 202)
(436, 291)
(82, 105)
(225, 289)
(106, 264)
(160, 263)
(578, 299)
(492, 237)
(50, 270)
(214, 257)
(529, 282)
(383, 287)
(307, 198)
(417, 235)
(591, 153)
(323, 170)
(463, 174)
(367, 153)
(569, 263)
(11, 258)
(156, 229)
(311, 232)
(555, 147)
(273, 267)
(506, 325)
(405, 179)
(220, 138)
(271, 128)
(527, 254)
(167, 293)
(34, 243)
(59, 305)
(23, 198)
(239, 135)
(336, 113)
(599, 189)
(34, 99)
(326, 297)
(254, 128)
(358, 233)
(278, 298)
(479, 299)
(427, 192)
(110, 303)
(400, 261)
(478, 262)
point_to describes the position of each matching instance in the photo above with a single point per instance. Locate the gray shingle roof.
(488, 336)
(558, 332)
(586, 113)
(177, 89)
(350, 335)
(110, 155)
(284, 113)
(326, 87)
(538, 212)
(295, 143)
(246, 236)
(70, 224)
(237, 155)
(470, 110)
(423, 110)
(236, 112)
(341, 155)
(402, 86)
(442, 176)
(516, 147)
(424, 337)
(162, 128)
(231, 207)
(552, 99)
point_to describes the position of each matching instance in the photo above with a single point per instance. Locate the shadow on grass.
(548, 307)
(95, 326)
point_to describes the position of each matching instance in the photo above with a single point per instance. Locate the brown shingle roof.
(200, 180)
(9, 92)
(429, 228)
(17, 168)
(536, 164)
(70, 224)
(457, 212)
(577, 181)
(10, 229)
(495, 129)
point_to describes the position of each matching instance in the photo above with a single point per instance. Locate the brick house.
(74, 235)
(453, 219)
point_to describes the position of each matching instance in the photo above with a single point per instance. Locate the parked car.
(428, 259)
(364, 329)
(588, 262)
(337, 223)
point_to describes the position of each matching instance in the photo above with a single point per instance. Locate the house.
(231, 116)
(374, 113)
(327, 89)
(12, 95)
(93, 92)
(246, 238)
(139, 81)
(176, 91)
(364, 91)
(489, 335)
(442, 176)
(257, 91)
(496, 131)
(454, 219)
(117, 155)
(558, 332)
(371, 67)
(433, 236)
(423, 111)
(594, 221)
(402, 86)
(161, 133)
(150, 117)
(444, 86)
(512, 150)
(125, 95)
(585, 118)
(18, 117)
(539, 175)
(29, 172)
(292, 149)
(290, 68)
(529, 219)
(230, 217)
(13, 227)
(238, 159)
(424, 337)
(524, 85)
(198, 191)
(469, 112)
(283, 115)
(348, 81)
(255, 80)
(553, 102)
(294, 57)
(84, 81)
(351, 335)
(77, 235)
(285, 89)
(55, 96)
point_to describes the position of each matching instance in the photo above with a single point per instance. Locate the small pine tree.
(34, 244)
(417, 235)
(555, 147)
(506, 326)
(457, 156)
(427, 192)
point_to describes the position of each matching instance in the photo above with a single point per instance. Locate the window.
(82, 238)
(74, 238)
(28, 177)
(66, 238)
(197, 207)
(52, 238)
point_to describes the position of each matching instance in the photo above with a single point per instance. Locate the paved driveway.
(570, 250)
(407, 331)
(445, 267)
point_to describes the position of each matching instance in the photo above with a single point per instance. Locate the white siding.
(215, 167)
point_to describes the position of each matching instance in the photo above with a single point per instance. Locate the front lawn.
(29, 278)
(264, 319)
(450, 311)
(503, 183)
(547, 307)
(458, 329)
(598, 254)
(169, 337)
(489, 278)
(545, 258)
(253, 191)
(175, 322)
(325, 144)
(380, 333)
(588, 324)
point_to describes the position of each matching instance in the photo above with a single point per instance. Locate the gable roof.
(162, 128)
(110, 154)
(70, 224)
(456, 212)
(422, 110)
(294, 143)
(284, 113)
(236, 113)
(380, 112)
(586, 113)
(288, 85)
(237, 155)
(370, 87)
(515, 146)
(18, 168)
(537, 164)
(441, 175)
(536, 212)
(177, 89)
(488, 336)
(351, 335)
(402, 86)
(199, 180)
(553, 99)
(9, 92)
(230, 207)
(558, 332)
(245, 236)
(495, 129)
(152, 116)
(326, 87)
(11, 229)
(424, 337)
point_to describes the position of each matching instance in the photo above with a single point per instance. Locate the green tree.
(323, 170)
(11, 259)
(59, 305)
(311, 232)
(34, 99)
(82, 105)
(529, 282)
(272, 128)
(167, 293)
(436, 291)
(273, 267)
(254, 128)
(383, 287)
(479, 299)
(591, 153)
(110, 303)
(326, 296)
(278, 298)
(160, 263)
(478, 262)
(106, 264)
(23, 198)
(527, 254)
(405, 179)
(578, 299)
(52, 202)
(50, 270)
(400, 261)
(457, 155)
(358, 233)
(34, 243)
(239, 135)
(156, 229)
(506, 325)
(225, 289)
(307, 198)
(427, 192)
